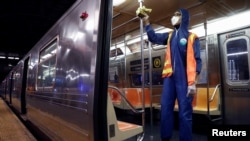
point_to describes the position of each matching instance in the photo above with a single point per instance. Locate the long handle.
(142, 75)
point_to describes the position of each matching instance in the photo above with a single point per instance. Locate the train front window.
(237, 60)
(46, 66)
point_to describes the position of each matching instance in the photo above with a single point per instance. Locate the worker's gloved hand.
(191, 90)
(143, 12)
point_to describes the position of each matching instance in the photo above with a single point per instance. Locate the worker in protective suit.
(182, 66)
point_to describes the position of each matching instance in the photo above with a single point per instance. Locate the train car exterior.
(62, 86)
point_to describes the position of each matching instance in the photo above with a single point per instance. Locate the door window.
(237, 58)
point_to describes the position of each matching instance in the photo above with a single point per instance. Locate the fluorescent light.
(223, 24)
(118, 2)
(238, 53)
(46, 56)
(10, 58)
(163, 30)
(53, 51)
(117, 46)
(137, 39)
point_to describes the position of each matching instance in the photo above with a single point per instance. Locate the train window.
(46, 66)
(116, 52)
(203, 73)
(136, 78)
(157, 78)
(113, 75)
(17, 80)
(237, 60)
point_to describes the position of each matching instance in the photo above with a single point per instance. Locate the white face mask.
(175, 20)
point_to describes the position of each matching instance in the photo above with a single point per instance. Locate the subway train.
(94, 72)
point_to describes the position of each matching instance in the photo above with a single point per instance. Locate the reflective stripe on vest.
(191, 62)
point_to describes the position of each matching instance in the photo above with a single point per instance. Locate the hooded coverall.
(176, 85)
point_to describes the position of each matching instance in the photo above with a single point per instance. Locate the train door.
(23, 88)
(235, 63)
(10, 88)
(5, 89)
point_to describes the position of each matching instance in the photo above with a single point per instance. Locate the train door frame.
(101, 71)
(234, 91)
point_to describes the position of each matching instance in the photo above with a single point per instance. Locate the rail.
(203, 105)
(208, 101)
(215, 90)
(127, 102)
(119, 130)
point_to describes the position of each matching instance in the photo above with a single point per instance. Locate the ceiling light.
(118, 2)
(228, 23)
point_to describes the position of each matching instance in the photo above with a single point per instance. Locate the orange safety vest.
(191, 62)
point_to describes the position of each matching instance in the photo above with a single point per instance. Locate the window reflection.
(237, 60)
(46, 66)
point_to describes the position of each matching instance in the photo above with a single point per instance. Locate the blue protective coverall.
(176, 85)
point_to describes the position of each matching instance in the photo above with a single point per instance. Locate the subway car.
(94, 73)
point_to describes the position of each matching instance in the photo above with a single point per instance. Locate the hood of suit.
(184, 19)
(183, 27)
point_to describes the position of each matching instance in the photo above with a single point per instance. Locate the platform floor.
(11, 128)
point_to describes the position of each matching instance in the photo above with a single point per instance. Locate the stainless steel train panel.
(235, 64)
(61, 75)
(134, 68)
(209, 75)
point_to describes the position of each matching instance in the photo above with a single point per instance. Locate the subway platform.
(11, 128)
